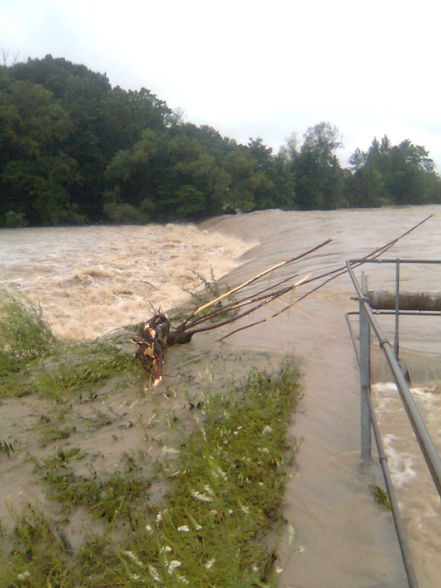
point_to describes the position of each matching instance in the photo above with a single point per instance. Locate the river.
(89, 280)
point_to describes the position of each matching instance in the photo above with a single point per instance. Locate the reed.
(24, 334)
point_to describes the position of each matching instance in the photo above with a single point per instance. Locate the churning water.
(90, 280)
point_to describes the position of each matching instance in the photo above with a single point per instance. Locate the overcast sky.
(256, 68)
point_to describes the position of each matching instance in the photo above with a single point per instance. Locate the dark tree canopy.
(75, 150)
(393, 174)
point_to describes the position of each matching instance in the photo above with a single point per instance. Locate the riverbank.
(111, 483)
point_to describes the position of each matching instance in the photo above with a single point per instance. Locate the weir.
(372, 303)
(336, 533)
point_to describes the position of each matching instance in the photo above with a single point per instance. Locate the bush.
(24, 335)
(126, 213)
(15, 219)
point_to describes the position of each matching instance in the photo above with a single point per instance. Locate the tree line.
(75, 150)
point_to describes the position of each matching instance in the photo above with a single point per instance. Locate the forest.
(75, 150)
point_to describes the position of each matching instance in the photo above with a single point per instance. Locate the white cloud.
(256, 68)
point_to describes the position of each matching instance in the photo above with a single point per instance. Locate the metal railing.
(368, 324)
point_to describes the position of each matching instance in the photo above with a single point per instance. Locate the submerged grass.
(70, 369)
(227, 490)
(209, 290)
(33, 361)
(88, 367)
(24, 335)
(225, 487)
(111, 498)
(381, 498)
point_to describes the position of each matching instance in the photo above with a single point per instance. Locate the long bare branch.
(332, 275)
(252, 280)
(265, 300)
(235, 304)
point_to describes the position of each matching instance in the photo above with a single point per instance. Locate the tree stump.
(152, 340)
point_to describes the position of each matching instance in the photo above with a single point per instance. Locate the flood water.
(90, 280)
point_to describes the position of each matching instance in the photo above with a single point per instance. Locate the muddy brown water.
(92, 279)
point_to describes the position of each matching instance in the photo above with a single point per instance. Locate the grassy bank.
(181, 486)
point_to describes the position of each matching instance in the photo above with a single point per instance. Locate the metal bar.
(429, 261)
(397, 310)
(424, 439)
(399, 527)
(410, 312)
(365, 380)
(382, 458)
(352, 334)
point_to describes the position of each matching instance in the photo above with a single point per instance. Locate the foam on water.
(400, 463)
(418, 499)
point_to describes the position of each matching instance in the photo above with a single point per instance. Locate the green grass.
(209, 290)
(381, 498)
(24, 335)
(53, 432)
(85, 369)
(70, 370)
(224, 490)
(33, 361)
(227, 489)
(110, 497)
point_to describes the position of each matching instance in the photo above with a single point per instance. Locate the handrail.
(368, 417)
(423, 261)
(382, 458)
(424, 439)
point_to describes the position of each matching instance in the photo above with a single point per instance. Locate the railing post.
(397, 310)
(365, 379)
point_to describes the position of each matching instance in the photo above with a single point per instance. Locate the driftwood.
(156, 335)
(152, 345)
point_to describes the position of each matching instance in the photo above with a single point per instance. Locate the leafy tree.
(367, 188)
(317, 171)
(262, 180)
(387, 174)
(172, 171)
(74, 150)
(284, 181)
(239, 195)
(322, 140)
(35, 171)
(104, 120)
